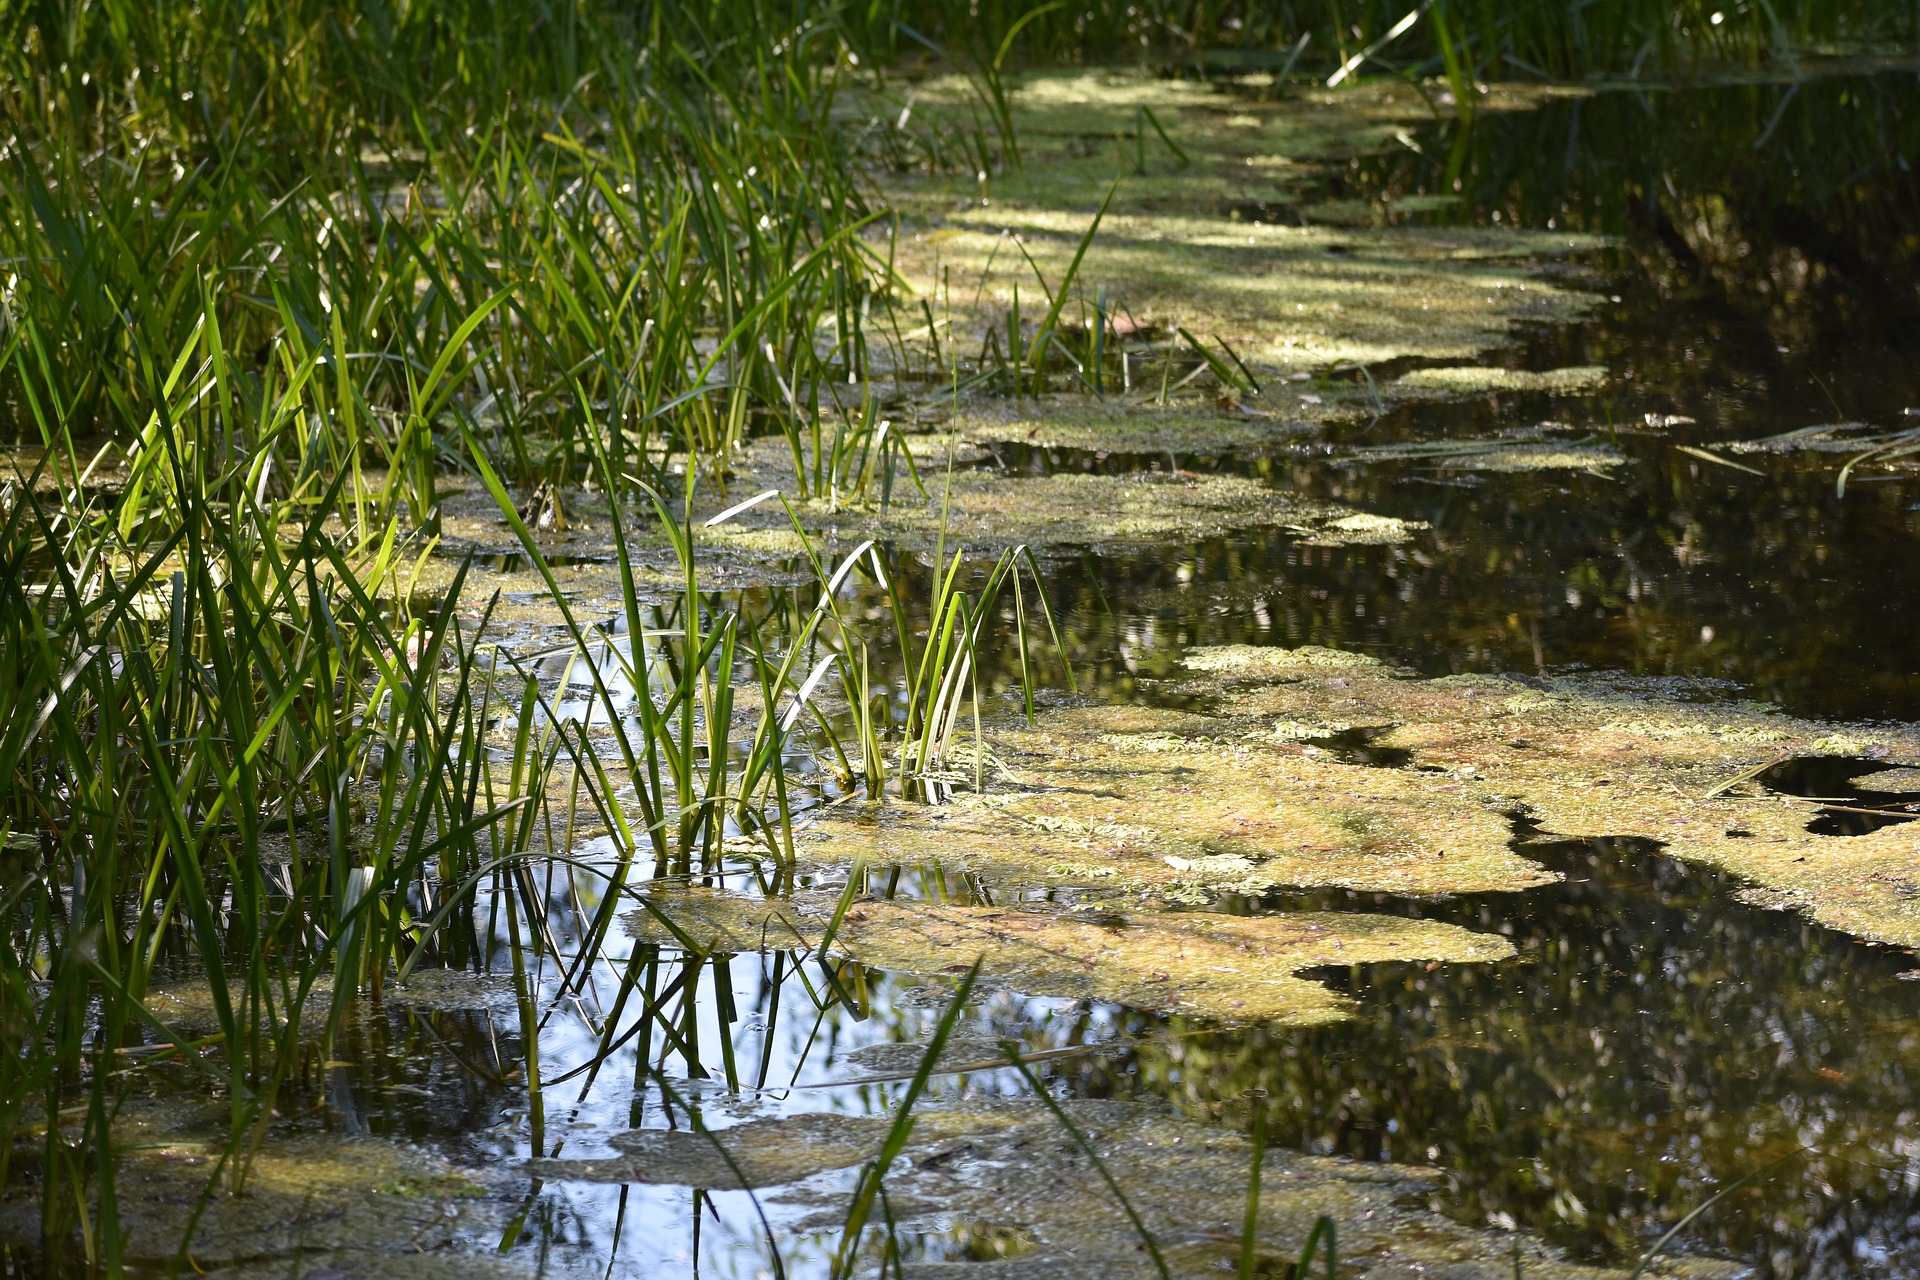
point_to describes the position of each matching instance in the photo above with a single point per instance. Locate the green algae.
(455, 991)
(1469, 379)
(1182, 807)
(1144, 803)
(990, 510)
(1512, 452)
(987, 510)
(1118, 425)
(1348, 286)
(903, 1058)
(1832, 437)
(1889, 780)
(1589, 758)
(1223, 968)
(1011, 1164)
(1011, 1168)
(759, 1153)
(312, 1205)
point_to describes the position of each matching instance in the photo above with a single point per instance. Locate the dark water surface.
(1658, 1036)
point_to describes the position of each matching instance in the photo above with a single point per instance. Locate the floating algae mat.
(1517, 451)
(1581, 758)
(1240, 799)
(1012, 1165)
(1308, 290)
(1468, 379)
(313, 1204)
(1131, 801)
(1225, 968)
(985, 509)
(759, 1153)
(1666, 1026)
(1122, 426)
(1298, 871)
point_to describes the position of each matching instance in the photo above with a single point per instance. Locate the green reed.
(233, 756)
(1465, 40)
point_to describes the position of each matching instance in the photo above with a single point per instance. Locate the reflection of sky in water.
(782, 1037)
(1653, 1039)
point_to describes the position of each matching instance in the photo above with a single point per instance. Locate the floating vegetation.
(1891, 780)
(1469, 379)
(456, 991)
(312, 1204)
(1582, 758)
(1217, 967)
(985, 509)
(1011, 1163)
(1832, 437)
(758, 1153)
(1183, 805)
(469, 460)
(1131, 427)
(1287, 293)
(1531, 450)
(1866, 444)
(1135, 802)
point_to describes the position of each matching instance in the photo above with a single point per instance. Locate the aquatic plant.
(258, 323)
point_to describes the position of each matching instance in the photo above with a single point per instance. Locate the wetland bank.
(996, 644)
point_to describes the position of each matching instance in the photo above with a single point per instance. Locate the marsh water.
(1660, 1034)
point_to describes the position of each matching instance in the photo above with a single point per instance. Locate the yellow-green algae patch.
(990, 509)
(1586, 758)
(1890, 780)
(1116, 425)
(1140, 801)
(312, 1204)
(1011, 1164)
(1226, 968)
(1467, 379)
(987, 509)
(1348, 286)
(1525, 451)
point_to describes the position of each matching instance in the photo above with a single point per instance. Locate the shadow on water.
(1655, 1039)
(1663, 1032)
(1764, 281)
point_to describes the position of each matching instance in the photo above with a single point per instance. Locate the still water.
(1658, 1036)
